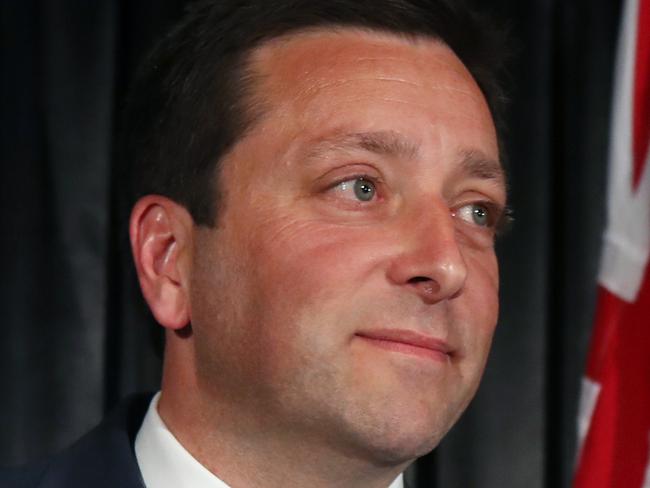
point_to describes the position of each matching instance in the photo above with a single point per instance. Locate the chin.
(403, 449)
(398, 448)
(400, 438)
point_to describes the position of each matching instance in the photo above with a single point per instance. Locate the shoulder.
(102, 458)
(23, 476)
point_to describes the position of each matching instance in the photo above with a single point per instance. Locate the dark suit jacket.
(103, 458)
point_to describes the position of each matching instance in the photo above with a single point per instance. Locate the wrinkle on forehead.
(380, 50)
(313, 79)
(314, 94)
(302, 65)
(436, 86)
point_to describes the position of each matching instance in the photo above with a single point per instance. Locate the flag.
(614, 416)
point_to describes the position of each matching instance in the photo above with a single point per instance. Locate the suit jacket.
(103, 458)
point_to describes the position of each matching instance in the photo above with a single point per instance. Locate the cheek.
(482, 285)
(303, 262)
(305, 273)
(220, 297)
(476, 310)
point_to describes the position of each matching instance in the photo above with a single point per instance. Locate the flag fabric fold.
(614, 417)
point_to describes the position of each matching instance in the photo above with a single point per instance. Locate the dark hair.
(192, 98)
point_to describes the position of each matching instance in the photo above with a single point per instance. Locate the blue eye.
(480, 215)
(363, 190)
(475, 213)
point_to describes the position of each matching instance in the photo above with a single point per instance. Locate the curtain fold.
(77, 337)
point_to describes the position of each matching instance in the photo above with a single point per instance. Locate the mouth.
(408, 342)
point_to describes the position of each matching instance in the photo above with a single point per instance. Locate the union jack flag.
(614, 421)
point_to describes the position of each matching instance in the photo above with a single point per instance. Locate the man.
(319, 189)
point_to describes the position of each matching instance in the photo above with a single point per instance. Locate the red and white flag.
(614, 418)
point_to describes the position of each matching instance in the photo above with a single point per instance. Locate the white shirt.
(165, 463)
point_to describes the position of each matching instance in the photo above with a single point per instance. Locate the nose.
(430, 262)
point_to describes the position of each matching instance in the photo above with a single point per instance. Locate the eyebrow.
(384, 143)
(473, 163)
(476, 164)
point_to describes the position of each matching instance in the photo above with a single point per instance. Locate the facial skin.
(305, 298)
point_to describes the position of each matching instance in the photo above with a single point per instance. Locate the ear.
(161, 242)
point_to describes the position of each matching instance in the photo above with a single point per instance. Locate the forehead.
(316, 52)
(299, 65)
(319, 83)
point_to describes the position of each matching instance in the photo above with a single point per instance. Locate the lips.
(408, 342)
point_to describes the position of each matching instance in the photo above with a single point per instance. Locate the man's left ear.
(161, 242)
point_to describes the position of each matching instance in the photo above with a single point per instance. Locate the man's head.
(342, 295)
(195, 94)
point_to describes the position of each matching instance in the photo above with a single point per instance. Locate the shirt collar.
(165, 463)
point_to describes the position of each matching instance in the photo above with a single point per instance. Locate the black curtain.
(76, 337)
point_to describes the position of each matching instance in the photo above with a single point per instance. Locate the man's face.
(348, 294)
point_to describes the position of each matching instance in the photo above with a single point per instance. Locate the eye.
(359, 188)
(480, 214)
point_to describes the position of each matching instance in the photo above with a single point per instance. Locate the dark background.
(75, 337)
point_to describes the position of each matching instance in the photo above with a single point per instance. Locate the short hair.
(192, 99)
